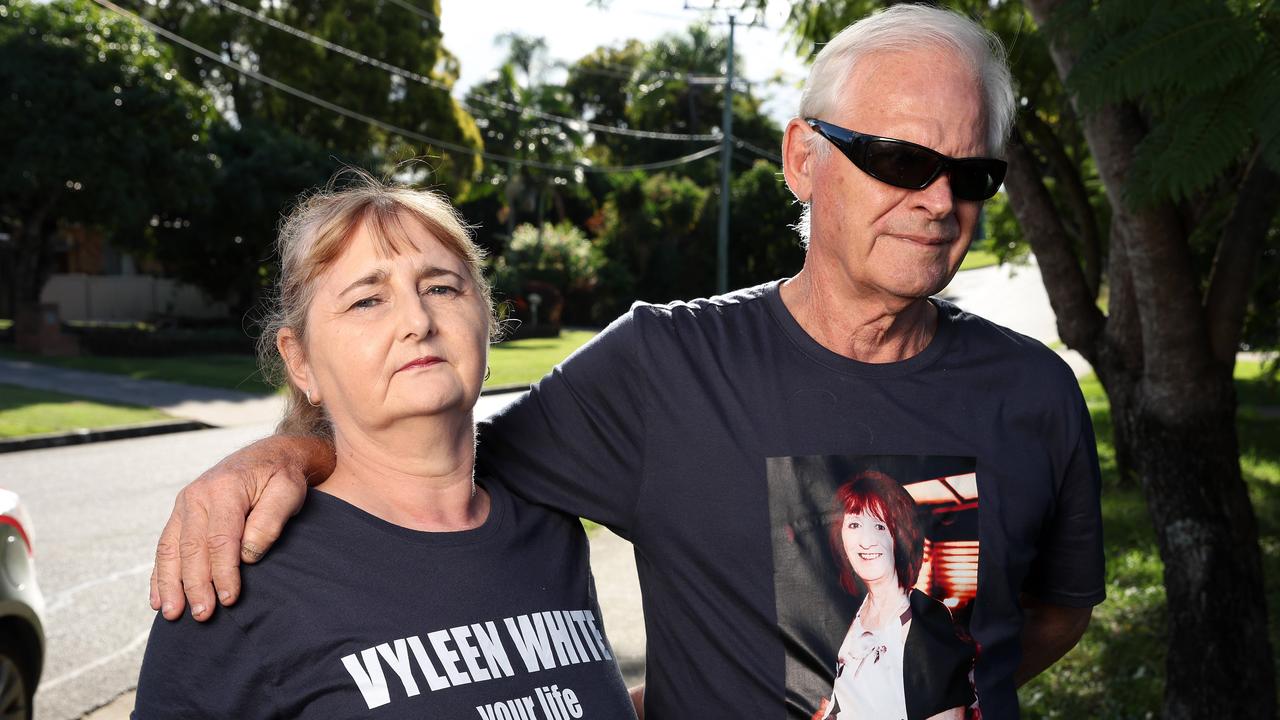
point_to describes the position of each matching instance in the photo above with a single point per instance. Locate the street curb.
(83, 436)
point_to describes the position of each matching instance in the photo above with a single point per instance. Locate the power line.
(333, 107)
(756, 149)
(627, 72)
(435, 21)
(575, 123)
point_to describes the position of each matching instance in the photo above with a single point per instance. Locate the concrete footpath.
(211, 406)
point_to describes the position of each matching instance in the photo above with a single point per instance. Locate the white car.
(21, 610)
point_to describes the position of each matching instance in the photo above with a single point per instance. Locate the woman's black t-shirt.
(350, 616)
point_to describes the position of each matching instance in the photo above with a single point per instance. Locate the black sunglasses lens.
(976, 179)
(904, 166)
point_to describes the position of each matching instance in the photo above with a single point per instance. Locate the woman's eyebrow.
(379, 276)
(376, 277)
(427, 272)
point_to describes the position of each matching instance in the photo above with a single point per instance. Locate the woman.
(404, 587)
(902, 657)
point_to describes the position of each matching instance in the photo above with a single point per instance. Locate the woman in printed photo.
(902, 657)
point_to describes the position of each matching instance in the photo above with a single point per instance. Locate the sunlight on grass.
(525, 361)
(979, 258)
(34, 412)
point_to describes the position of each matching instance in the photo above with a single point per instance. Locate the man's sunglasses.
(907, 165)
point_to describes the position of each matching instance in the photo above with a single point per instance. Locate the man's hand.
(1048, 633)
(207, 535)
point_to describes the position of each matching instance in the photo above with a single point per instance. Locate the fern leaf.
(1191, 147)
(1188, 50)
(1264, 96)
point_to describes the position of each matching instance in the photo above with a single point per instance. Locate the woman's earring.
(311, 402)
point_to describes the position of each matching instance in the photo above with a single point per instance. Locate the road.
(97, 510)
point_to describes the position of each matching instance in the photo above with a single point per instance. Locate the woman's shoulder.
(925, 604)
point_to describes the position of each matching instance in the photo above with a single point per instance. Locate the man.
(693, 429)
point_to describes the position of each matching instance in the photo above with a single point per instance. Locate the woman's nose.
(415, 317)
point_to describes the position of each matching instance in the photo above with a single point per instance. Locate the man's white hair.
(905, 28)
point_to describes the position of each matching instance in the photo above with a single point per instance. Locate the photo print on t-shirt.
(875, 572)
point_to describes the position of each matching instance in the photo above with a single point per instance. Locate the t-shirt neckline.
(499, 510)
(816, 351)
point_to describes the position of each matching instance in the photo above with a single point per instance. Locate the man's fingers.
(166, 574)
(193, 550)
(226, 524)
(280, 500)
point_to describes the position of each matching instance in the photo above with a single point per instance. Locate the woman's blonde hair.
(316, 232)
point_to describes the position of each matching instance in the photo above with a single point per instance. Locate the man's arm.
(637, 700)
(1048, 632)
(1068, 576)
(208, 535)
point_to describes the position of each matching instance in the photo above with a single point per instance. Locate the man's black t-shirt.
(354, 617)
(714, 434)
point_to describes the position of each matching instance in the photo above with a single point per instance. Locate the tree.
(403, 35)
(96, 127)
(1173, 110)
(226, 247)
(659, 232)
(557, 262)
(761, 209)
(654, 235)
(1186, 136)
(673, 86)
(527, 137)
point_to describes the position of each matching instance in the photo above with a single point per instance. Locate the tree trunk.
(1219, 661)
(1174, 407)
(31, 252)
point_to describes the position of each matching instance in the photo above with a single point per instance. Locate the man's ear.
(295, 360)
(798, 159)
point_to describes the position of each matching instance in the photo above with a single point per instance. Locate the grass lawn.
(524, 361)
(1117, 671)
(979, 257)
(514, 361)
(31, 412)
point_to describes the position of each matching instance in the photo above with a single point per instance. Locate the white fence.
(127, 297)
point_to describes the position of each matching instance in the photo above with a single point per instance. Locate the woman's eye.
(881, 527)
(445, 290)
(855, 525)
(364, 303)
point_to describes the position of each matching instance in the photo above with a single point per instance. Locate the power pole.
(726, 159)
(726, 145)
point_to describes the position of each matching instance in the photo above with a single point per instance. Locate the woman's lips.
(421, 362)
